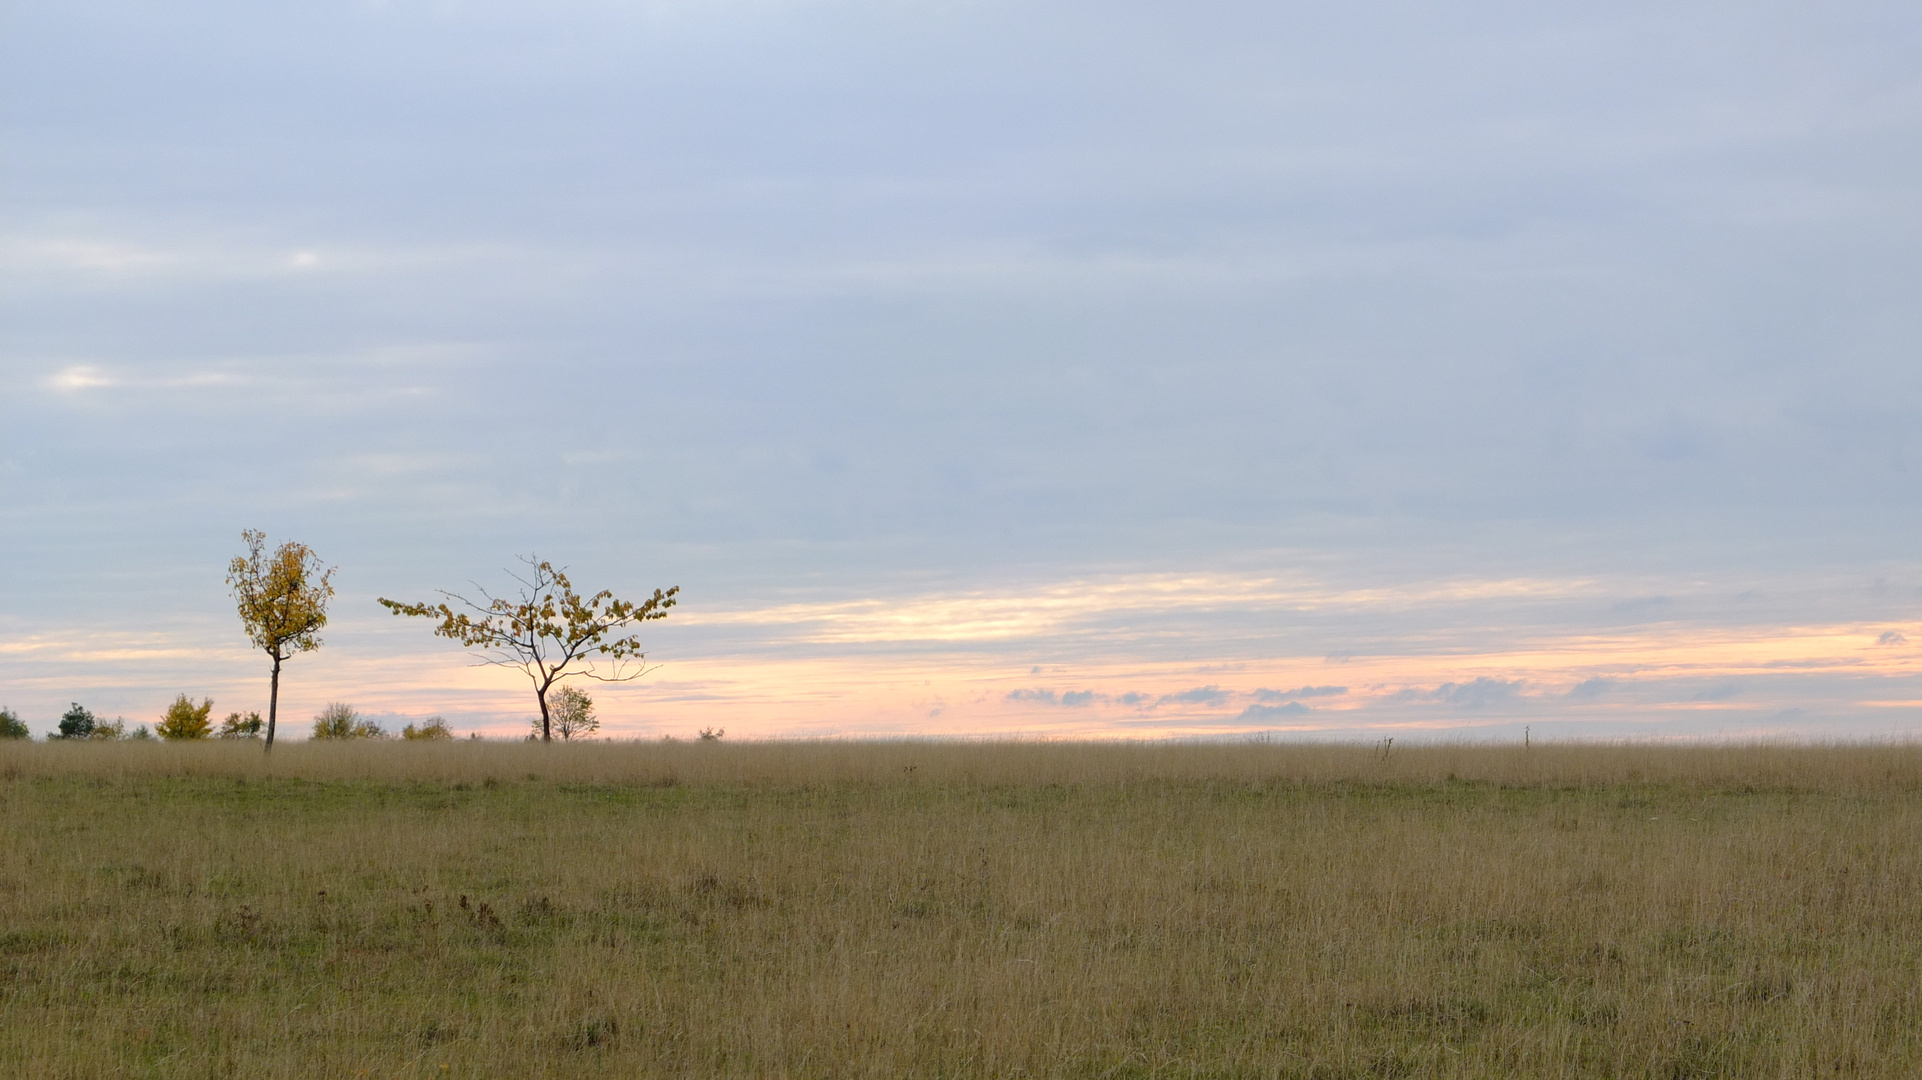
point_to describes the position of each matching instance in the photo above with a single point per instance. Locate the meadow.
(959, 910)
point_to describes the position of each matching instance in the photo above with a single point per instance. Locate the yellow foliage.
(283, 597)
(549, 630)
(282, 600)
(185, 720)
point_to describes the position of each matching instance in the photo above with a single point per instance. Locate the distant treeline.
(186, 721)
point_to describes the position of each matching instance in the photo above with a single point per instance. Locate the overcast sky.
(1325, 369)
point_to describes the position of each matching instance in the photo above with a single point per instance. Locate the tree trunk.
(547, 732)
(273, 704)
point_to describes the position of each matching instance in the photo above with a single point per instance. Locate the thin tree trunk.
(273, 704)
(547, 734)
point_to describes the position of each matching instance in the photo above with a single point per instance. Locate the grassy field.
(896, 910)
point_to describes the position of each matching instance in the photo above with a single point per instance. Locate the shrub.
(237, 726)
(11, 726)
(75, 723)
(431, 728)
(185, 720)
(79, 723)
(339, 721)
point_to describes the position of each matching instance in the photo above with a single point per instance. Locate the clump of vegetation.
(237, 726)
(339, 721)
(11, 726)
(79, 723)
(571, 714)
(430, 729)
(185, 720)
(76, 723)
(709, 734)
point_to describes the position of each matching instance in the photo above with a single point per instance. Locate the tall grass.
(797, 764)
(902, 909)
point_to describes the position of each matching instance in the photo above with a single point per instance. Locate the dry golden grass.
(901, 909)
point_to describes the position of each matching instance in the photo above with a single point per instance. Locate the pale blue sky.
(892, 304)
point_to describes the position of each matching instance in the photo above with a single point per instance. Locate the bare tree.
(548, 630)
(283, 603)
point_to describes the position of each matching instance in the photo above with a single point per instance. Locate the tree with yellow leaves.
(283, 603)
(548, 629)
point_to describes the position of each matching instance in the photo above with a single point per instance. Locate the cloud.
(1892, 637)
(1274, 712)
(1589, 689)
(1072, 699)
(1716, 693)
(1048, 611)
(1265, 694)
(1135, 697)
(80, 377)
(1200, 695)
(1480, 693)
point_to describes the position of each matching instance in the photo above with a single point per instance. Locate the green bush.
(237, 726)
(572, 713)
(340, 721)
(11, 726)
(431, 728)
(80, 723)
(76, 723)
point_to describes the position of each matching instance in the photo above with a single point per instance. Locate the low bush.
(431, 728)
(185, 720)
(76, 723)
(339, 721)
(237, 726)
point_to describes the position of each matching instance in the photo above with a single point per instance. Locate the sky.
(1217, 369)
